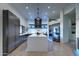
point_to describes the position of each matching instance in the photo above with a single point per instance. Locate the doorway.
(54, 32)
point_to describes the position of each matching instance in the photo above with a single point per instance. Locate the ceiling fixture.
(48, 7)
(38, 11)
(53, 11)
(45, 13)
(29, 13)
(27, 7)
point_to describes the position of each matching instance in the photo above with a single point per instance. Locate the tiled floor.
(55, 49)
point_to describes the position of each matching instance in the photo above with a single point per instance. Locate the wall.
(24, 23)
(69, 18)
(8, 7)
(61, 26)
(77, 20)
(67, 29)
(73, 20)
(66, 23)
(77, 23)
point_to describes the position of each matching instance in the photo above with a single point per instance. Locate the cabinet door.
(17, 26)
(17, 32)
(11, 35)
(5, 32)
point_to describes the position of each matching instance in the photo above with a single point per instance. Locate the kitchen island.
(37, 43)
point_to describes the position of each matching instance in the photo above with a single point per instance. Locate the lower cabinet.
(17, 43)
(20, 40)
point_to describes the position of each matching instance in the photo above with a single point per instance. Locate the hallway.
(58, 50)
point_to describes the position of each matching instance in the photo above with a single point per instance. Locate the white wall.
(68, 19)
(22, 20)
(67, 24)
(61, 26)
(77, 20)
(73, 36)
(67, 29)
(77, 23)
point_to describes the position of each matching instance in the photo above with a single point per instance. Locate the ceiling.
(29, 10)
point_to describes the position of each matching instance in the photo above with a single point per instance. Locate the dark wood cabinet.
(11, 31)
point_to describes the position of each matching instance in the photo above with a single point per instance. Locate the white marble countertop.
(35, 35)
(25, 33)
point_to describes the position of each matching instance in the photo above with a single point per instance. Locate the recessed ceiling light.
(29, 13)
(45, 13)
(48, 7)
(27, 7)
(53, 11)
